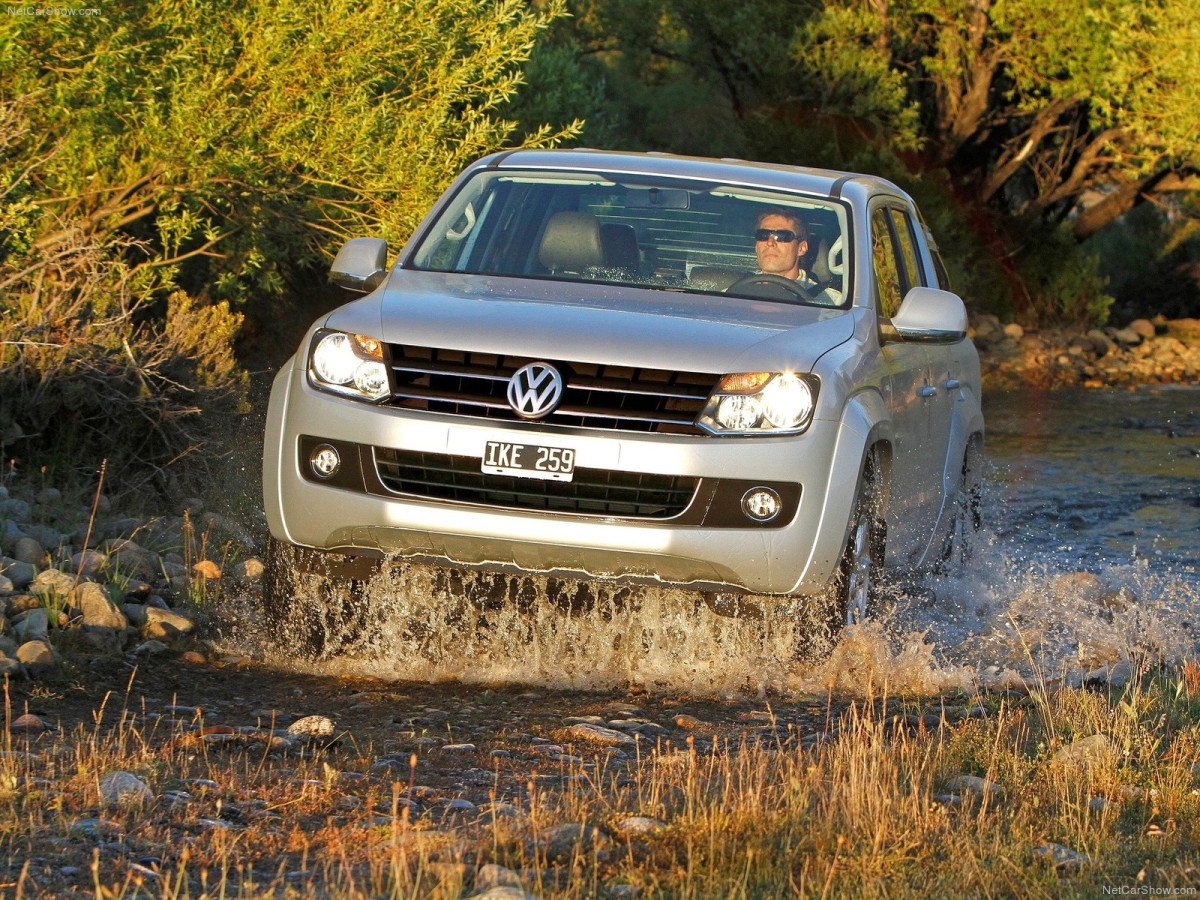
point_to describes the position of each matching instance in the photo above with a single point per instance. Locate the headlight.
(761, 403)
(350, 364)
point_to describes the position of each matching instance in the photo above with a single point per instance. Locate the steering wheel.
(790, 284)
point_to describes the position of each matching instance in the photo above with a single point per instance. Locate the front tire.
(967, 519)
(316, 615)
(855, 587)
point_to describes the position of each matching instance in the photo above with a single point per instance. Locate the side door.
(908, 391)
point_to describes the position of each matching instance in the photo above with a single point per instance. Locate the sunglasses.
(781, 235)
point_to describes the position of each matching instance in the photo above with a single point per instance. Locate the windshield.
(664, 234)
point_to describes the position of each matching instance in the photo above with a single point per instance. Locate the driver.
(780, 242)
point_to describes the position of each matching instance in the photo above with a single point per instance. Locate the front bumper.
(709, 544)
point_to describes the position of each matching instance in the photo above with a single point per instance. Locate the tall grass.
(867, 810)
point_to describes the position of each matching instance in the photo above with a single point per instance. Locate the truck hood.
(595, 323)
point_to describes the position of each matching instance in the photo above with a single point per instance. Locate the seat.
(829, 264)
(620, 246)
(571, 242)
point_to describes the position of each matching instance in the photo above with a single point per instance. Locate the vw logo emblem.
(535, 390)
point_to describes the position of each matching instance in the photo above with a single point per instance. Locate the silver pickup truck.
(738, 378)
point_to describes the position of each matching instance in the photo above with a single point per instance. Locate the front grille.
(596, 492)
(621, 398)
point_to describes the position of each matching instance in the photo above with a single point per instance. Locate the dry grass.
(863, 813)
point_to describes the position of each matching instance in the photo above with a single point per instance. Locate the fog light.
(325, 461)
(761, 504)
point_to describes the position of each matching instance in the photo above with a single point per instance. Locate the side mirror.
(360, 265)
(930, 316)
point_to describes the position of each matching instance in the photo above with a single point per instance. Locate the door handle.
(927, 391)
(952, 384)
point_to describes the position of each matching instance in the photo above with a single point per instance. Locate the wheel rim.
(858, 583)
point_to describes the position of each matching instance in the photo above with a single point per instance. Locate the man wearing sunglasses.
(781, 242)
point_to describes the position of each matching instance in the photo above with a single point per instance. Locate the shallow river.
(1090, 557)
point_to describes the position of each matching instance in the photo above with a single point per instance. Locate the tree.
(1034, 102)
(163, 158)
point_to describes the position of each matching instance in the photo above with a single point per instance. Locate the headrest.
(620, 246)
(571, 242)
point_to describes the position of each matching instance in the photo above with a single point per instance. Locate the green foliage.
(161, 162)
(1062, 281)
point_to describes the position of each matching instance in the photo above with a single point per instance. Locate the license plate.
(528, 461)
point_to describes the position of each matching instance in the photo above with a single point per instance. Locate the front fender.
(864, 424)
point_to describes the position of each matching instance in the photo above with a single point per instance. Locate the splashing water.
(1057, 588)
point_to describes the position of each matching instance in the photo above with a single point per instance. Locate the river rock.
(38, 658)
(1087, 752)
(17, 510)
(135, 613)
(6, 586)
(605, 737)
(493, 876)
(1062, 857)
(313, 726)
(1143, 327)
(88, 563)
(96, 604)
(561, 841)
(52, 583)
(248, 569)
(10, 666)
(19, 573)
(31, 625)
(124, 789)
(175, 621)
(28, 550)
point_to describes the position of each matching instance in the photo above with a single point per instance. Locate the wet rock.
(248, 569)
(1062, 857)
(38, 658)
(124, 789)
(1088, 752)
(206, 569)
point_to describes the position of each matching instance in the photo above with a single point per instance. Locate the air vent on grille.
(592, 492)
(597, 396)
